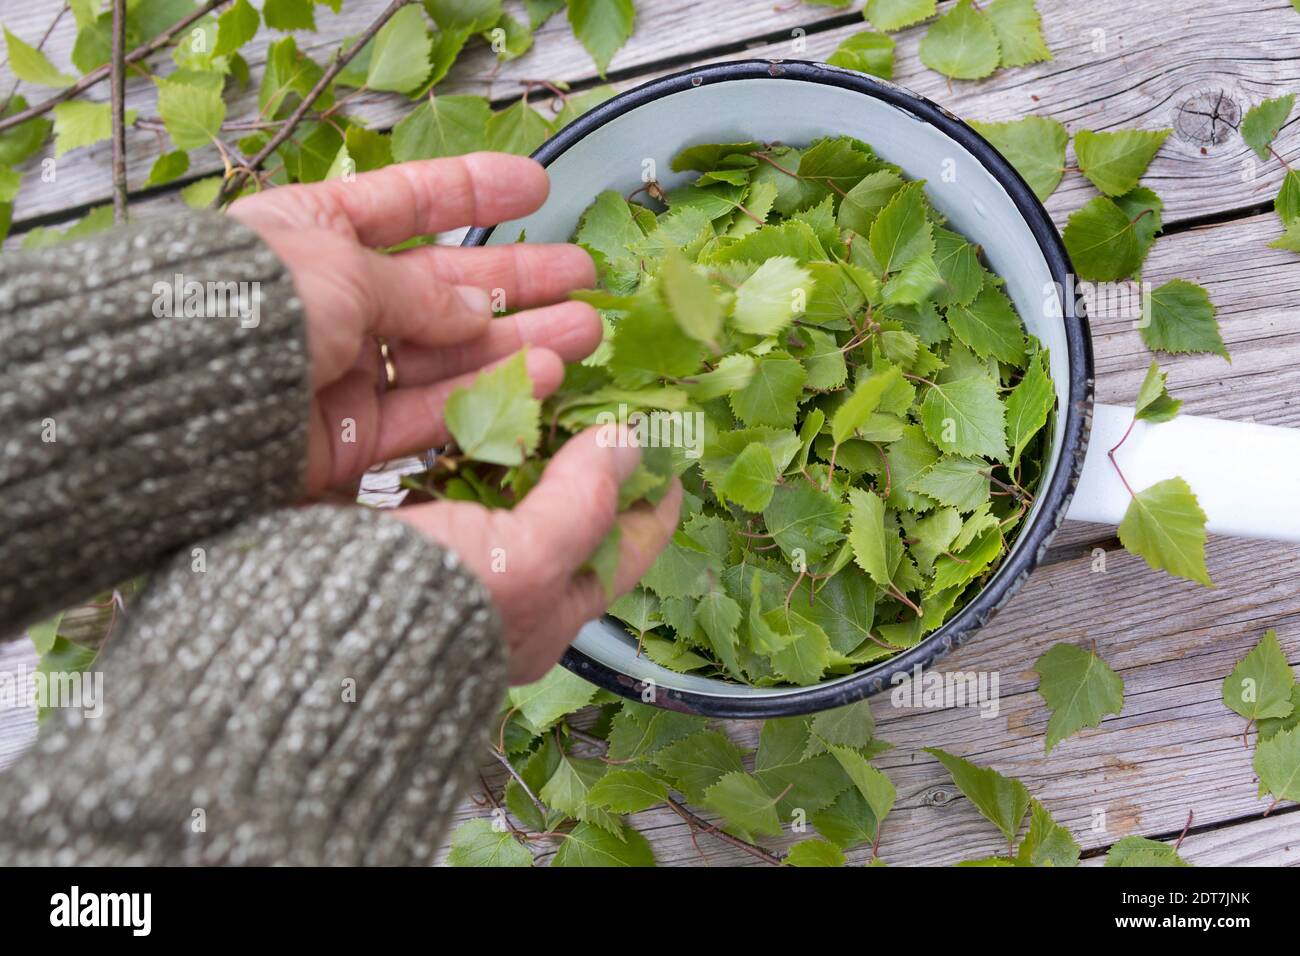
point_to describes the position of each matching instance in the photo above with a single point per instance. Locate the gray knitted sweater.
(297, 684)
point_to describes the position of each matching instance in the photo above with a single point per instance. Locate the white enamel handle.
(1246, 476)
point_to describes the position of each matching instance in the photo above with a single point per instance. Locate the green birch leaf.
(901, 233)
(1020, 32)
(962, 44)
(45, 633)
(751, 479)
(1028, 406)
(691, 299)
(990, 326)
(1271, 726)
(1277, 764)
(853, 727)
(290, 14)
(1262, 683)
(1153, 401)
(497, 419)
(1034, 145)
(895, 14)
(235, 27)
(627, 791)
(545, 701)
(719, 617)
(591, 846)
(602, 26)
(745, 807)
(79, 123)
(1001, 800)
(1079, 688)
(193, 113)
(1262, 123)
(1102, 242)
(1165, 526)
(966, 417)
(1136, 851)
(473, 16)
(697, 762)
(1181, 318)
(399, 59)
(814, 853)
(770, 396)
(32, 66)
(804, 521)
(857, 410)
(1116, 161)
(875, 787)
(866, 52)
(1047, 843)
(870, 540)
(518, 129)
(539, 11)
(961, 483)
(168, 167)
(769, 299)
(477, 843)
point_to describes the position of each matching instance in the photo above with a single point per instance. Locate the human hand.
(432, 304)
(529, 557)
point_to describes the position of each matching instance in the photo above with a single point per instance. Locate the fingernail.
(476, 300)
(626, 458)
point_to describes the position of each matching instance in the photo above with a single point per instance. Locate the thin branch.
(510, 768)
(117, 98)
(697, 822)
(235, 181)
(98, 75)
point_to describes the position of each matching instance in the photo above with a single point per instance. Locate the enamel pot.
(1235, 469)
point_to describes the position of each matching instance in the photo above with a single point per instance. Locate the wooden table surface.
(1146, 63)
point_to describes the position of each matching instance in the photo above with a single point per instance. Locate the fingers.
(411, 419)
(526, 275)
(390, 205)
(575, 503)
(571, 330)
(407, 304)
(645, 531)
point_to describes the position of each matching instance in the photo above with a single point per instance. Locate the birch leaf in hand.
(497, 418)
(1154, 403)
(399, 60)
(1165, 525)
(1116, 161)
(602, 26)
(1002, 800)
(1020, 32)
(1182, 320)
(1261, 684)
(1080, 690)
(1034, 145)
(896, 14)
(962, 44)
(1277, 763)
(1262, 123)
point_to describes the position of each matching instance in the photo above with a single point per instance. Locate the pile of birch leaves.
(872, 410)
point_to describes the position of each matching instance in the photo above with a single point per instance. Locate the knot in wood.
(936, 797)
(1208, 118)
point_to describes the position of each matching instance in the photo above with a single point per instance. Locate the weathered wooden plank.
(1174, 748)
(1153, 62)
(1271, 841)
(17, 723)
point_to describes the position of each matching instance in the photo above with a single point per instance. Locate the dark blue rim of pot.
(1038, 533)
